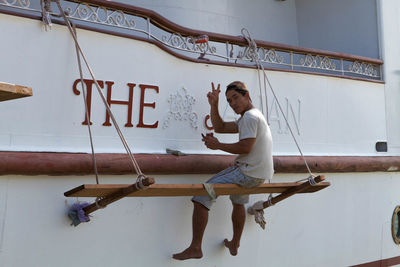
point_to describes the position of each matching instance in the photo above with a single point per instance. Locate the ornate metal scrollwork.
(101, 15)
(363, 68)
(317, 62)
(187, 43)
(271, 56)
(18, 3)
(249, 53)
(115, 18)
(262, 54)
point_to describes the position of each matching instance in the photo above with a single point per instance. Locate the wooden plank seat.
(173, 190)
(11, 91)
(108, 193)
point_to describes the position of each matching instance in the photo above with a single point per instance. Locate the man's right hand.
(213, 96)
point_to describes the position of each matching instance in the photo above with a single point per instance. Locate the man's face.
(238, 102)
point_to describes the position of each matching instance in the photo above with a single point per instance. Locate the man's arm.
(219, 125)
(244, 146)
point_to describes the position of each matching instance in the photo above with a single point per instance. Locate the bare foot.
(189, 253)
(232, 247)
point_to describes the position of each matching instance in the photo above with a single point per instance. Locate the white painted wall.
(341, 26)
(334, 115)
(270, 20)
(390, 43)
(345, 224)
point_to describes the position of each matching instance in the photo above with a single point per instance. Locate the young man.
(252, 166)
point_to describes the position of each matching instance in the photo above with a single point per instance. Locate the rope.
(97, 203)
(266, 113)
(124, 142)
(46, 9)
(256, 57)
(269, 200)
(261, 98)
(86, 109)
(266, 101)
(311, 180)
(139, 182)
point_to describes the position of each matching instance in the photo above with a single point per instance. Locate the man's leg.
(199, 223)
(238, 220)
(239, 212)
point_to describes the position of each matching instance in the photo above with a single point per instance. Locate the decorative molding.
(43, 163)
(17, 3)
(318, 62)
(181, 109)
(175, 40)
(263, 54)
(270, 56)
(219, 49)
(364, 68)
(101, 15)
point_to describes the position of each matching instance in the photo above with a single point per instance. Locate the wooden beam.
(301, 188)
(117, 195)
(172, 190)
(50, 163)
(11, 91)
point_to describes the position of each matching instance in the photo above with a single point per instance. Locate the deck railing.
(147, 25)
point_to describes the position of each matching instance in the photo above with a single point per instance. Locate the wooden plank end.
(10, 91)
(70, 193)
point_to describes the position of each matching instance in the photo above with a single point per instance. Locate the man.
(252, 166)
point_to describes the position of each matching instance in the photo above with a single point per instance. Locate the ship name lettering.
(129, 103)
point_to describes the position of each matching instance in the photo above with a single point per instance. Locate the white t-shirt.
(258, 163)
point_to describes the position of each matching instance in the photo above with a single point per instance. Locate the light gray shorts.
(231, 175)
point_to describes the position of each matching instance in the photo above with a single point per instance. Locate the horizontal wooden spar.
(173, 190)
(47, 163)
(11, 91)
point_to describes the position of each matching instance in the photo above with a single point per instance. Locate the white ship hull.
(333, 117)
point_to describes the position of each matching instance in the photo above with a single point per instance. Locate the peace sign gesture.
(213, 96)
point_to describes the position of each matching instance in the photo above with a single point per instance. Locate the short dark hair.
(238, 86)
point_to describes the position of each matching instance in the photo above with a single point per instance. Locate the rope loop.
(311, 180)
(97, 203)
(252, 52)
(252, 45)
(139, 182)
(269, 200)
(46, 10)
